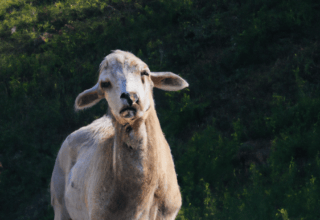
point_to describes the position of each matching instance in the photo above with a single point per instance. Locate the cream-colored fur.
(120, 166)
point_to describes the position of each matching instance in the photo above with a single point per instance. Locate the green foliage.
(285, 187)
(244, 136)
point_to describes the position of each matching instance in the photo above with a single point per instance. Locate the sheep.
(120, 166)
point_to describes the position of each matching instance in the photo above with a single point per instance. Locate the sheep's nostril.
(130, 97)
(127, 97)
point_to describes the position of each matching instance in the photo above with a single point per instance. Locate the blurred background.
(245, 136)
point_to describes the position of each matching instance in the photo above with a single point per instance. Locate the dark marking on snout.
(127, 97)
(130, 97)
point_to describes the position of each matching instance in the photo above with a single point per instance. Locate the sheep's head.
(126, 83)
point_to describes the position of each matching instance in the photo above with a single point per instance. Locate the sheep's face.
(127, 86)
(126, 83)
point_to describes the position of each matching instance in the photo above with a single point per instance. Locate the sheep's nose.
(130, 97)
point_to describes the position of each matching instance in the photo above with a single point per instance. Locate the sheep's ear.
(88, 98)
(168, 81)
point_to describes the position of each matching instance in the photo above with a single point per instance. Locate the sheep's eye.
(144, 73)
(105, 85)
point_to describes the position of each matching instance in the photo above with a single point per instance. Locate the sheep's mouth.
(128, 112)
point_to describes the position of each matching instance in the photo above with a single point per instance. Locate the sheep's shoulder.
(90, 135)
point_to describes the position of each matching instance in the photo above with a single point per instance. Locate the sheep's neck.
(136, 148)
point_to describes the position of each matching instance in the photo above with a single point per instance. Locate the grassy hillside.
(244, 136)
